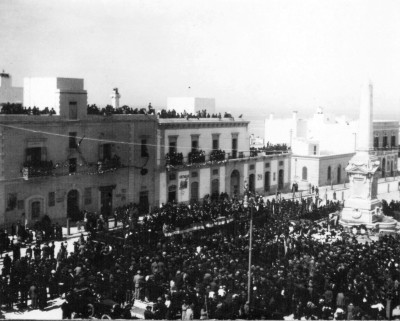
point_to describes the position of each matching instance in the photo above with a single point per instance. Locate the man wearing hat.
(138, 280)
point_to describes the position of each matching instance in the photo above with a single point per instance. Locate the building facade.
(59, 165)
(199, 157)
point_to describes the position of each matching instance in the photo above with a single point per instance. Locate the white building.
(48, 92)
(8, 93)
(191, 104)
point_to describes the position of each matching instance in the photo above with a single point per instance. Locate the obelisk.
(363, 206)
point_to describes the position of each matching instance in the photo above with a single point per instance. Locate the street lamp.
(246, 204)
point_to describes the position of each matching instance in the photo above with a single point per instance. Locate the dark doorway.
(280, 179)
(383, 167)
(339, 174)
(215, 188)
(267, 183)
(35, 210)
(252, 183)
(144, 202)
(235, 183)
(106, 201)
(194, 191)
(73, 205)
(172, 193)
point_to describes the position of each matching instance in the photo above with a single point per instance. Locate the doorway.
(73, 205)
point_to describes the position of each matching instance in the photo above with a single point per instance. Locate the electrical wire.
(100, 139)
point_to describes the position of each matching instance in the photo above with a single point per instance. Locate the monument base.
(379, 222)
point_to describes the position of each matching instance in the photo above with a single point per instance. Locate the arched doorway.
(194, 191)
(280, 179)
(172, 193)
(252, 183)
(73, 205)
(304, 173)
(267, 183)
(339, 174)
(391, 169)
(383, 167)
(215, 188)
(235, 183)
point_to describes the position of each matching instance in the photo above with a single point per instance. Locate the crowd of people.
(18, 109)
(300, 266)
(199, 114)
(110, 110)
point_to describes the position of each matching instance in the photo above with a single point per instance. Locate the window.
(72, 140)
(87, 195)
(12, 201)
(329, 173)
(315, 149)
(195, 144)
(304, 174)
(280, 163)
(376, 142)
(393, 141)
(172, 147)
(385, 141)
(215, 172)
(143, 148)
(106, 152)
(72, 165)
(172, 144)
(252, 167)
(34, 154)
(52, 199)
(215, 144)
(274, 177)
(267, 165)
(234, 147)
(195, 174)
(172, 176)
(73, 110)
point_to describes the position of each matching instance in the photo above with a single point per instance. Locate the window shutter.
(44, 153)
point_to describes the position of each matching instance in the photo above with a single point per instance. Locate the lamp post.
(246, 204)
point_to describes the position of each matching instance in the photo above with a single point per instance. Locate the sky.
(253, 56)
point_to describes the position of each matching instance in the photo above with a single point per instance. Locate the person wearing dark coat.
(7, 264)
(148, 315)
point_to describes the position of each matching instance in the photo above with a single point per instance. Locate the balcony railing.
(197, 156)
(384, 150)
(218, 156)
(37, 169)
(174, 159)
(108, 165)
(46, 168)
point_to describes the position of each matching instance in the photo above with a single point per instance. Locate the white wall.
(191, 104)
(9, 94)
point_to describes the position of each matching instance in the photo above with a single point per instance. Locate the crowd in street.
(204, 275)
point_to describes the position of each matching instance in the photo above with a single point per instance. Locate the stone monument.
(363, 207)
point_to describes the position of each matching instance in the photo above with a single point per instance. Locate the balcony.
(174, 159)
(108, 165)
(385, 150)
(217, 155)
(197, 156)
(37, 169)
